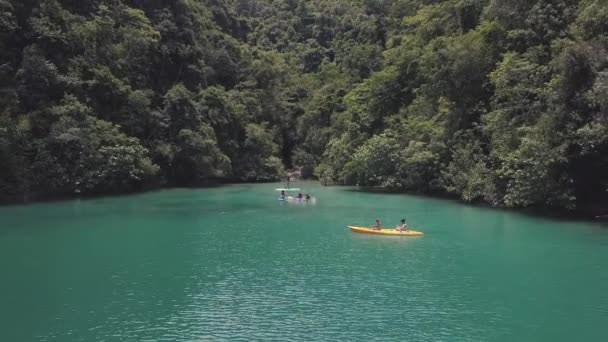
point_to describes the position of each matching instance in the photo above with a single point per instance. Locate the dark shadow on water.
(34, 199)
(562, 215)
(543, 213)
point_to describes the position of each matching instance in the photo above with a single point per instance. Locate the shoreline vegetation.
(497, 102)
(588, 215)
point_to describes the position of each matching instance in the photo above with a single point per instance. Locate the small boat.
(392, 232)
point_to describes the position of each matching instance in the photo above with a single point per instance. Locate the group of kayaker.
(401, 227)
(299, 197)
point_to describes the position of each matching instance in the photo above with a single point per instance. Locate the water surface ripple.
(234, 264)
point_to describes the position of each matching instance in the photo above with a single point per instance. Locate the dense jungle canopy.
(497, 101)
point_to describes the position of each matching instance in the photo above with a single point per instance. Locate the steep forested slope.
(497, 101)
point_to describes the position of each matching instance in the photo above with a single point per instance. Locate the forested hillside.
(501, 101)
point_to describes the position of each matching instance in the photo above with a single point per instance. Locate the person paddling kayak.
(402, 227)
(377, 226)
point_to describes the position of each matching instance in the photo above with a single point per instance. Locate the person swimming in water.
(282, 195)
(307, 197)
(299, 196)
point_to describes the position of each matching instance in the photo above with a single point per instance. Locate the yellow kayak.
(365, 230)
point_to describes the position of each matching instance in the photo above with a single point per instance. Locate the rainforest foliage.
(500, 101)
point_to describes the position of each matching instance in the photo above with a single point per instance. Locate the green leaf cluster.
(500, 101)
